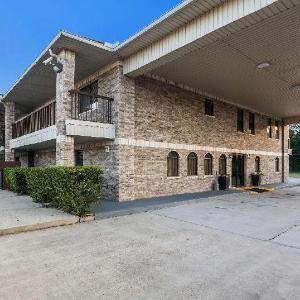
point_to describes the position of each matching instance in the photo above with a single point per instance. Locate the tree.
(295, 146)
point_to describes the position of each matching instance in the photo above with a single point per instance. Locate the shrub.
(16, 179)
(71, 189)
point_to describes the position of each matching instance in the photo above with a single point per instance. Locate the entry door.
(238, 170)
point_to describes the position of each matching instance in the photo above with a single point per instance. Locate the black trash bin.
(223, 182)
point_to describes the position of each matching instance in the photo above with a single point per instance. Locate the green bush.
(71, 189)
(16, 179)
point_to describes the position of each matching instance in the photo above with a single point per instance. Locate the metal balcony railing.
(41, 118)
(91, 107)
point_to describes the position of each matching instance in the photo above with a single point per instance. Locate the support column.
(9, 120)
(64, 83)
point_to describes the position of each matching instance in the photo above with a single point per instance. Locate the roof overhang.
(217, 55)
(37, 84)
(210, 46)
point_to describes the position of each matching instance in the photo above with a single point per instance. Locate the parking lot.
(235, 246)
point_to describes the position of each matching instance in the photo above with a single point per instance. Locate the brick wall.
(153, 118)
(165, 115)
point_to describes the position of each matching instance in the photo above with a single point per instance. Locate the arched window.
(192, 164)
(208, 164)
(173, 164)
(257, 164)
(223, 165)
(277, 164)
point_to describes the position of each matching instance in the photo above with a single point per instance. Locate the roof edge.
(104, 46)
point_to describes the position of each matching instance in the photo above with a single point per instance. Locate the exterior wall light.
(263, 65)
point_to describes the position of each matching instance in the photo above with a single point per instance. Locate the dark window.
(223, 165)
(277, 127)
(257, 164)
(173, 164)
(269, 130)
(192, 163)
(78, 158)
(276, 164)
(209, 107)
(208, 164)
(252, 123)
(30, 157)
(240, 120)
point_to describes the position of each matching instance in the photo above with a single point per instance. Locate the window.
(257, 164)
(173, 164)
(269, 128)
(78, 158)
(192, 164)
(277, 134)
(223, 165)
(208, 164)
(30, 159)
(209, 107)
(276, 164)
(240, 120)
(251, 123)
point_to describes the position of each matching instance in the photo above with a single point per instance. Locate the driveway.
(20, 213)
(238, 246)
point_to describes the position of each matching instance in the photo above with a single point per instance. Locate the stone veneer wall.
(149, 116)
(164, 114)
(42, 158)
(153, 118)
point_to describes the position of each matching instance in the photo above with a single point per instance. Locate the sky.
(26, 27)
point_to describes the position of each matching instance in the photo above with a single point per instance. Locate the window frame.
(78, 159)
(257, 164)
(209, 107)
(277, 164)
(173, 164)
(277, 130)
(269, 128)
(208, 169)
(251, 119)
(222, 159)
(240, 120)
(192, 164)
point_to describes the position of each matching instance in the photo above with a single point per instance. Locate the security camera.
(57, 67)
(48, 61)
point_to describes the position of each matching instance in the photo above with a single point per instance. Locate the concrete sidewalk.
(20, 214)
(110, 209)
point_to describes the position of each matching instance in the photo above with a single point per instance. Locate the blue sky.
(26, 27)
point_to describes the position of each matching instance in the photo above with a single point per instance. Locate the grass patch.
(295, 174)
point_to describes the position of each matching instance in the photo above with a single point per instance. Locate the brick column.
(64, 83)
(9, 120)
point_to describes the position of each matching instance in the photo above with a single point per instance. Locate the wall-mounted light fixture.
(263, 65)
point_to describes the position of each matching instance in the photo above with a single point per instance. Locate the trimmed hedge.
(16, 180)
(71, 189)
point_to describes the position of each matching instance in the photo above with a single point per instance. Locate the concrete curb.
(45, 225)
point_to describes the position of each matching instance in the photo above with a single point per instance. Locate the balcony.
(91, 118)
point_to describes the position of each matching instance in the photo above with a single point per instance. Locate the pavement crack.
(283, 232)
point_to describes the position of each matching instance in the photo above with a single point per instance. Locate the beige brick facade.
(153, 118)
